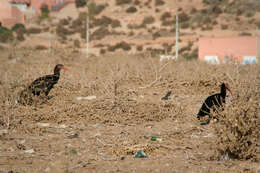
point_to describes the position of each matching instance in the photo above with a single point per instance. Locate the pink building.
(10, 15)
(15, 11)
(54, 5)
(225, 49)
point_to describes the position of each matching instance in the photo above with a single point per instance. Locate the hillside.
(145, 26)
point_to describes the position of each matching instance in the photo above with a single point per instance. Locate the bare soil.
(102, 135)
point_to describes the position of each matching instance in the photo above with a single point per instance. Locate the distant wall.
(226, 49)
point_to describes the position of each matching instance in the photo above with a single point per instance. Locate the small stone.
(43, 124)
(30, 151)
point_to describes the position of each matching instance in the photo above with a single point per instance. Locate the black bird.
(46, 83)
(214, 101)
(166, 97)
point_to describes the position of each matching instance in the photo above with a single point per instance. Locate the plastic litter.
(205, 122)
(86, 98)
(153, 138)
(166, 97)
(140, 154)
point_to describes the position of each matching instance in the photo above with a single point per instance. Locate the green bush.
(20, 31)
(245, 34)
(44, 11)
(5, 34)
(80, 3)
(95, 9)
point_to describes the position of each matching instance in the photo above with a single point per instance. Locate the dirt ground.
(66, 134)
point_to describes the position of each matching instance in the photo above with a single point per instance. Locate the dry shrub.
(148, 20)
(5, 34)
(95, 9)
(103, 21)
(34, 30)
(139, 47)
(40, 47)
(131, 9)
(245, 34)
(77, 43)
(183, 17)
(63, 31)
(100, 33)
(185, 25)
(122, 2)
(20, 30)
(224, 26)
(238, 129)
(64, 22)
(137, 2)
(80, 3)
(165, 16)
(122, 45)
(159, 2)
(115, 23)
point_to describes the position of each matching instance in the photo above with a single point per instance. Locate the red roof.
(233, 47)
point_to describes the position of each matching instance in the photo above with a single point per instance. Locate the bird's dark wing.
(43, 84)
(212, 102)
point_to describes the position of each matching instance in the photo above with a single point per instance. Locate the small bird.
(42, 85)
(166, 97)
(214, 101)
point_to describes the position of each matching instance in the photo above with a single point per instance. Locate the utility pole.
(87, 34)
(177, 37)
(50, 40)
(257, 44)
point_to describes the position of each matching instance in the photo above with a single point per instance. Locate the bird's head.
(59, 67)
(224, 87)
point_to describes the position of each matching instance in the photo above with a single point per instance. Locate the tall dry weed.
(238, 129)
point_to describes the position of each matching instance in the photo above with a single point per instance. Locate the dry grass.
(128, 90)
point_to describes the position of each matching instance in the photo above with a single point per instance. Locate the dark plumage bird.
(43, 85)
(214, 101)
(166, 97)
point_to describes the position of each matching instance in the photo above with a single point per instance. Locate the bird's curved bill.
(64, 68)
(227, 87)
